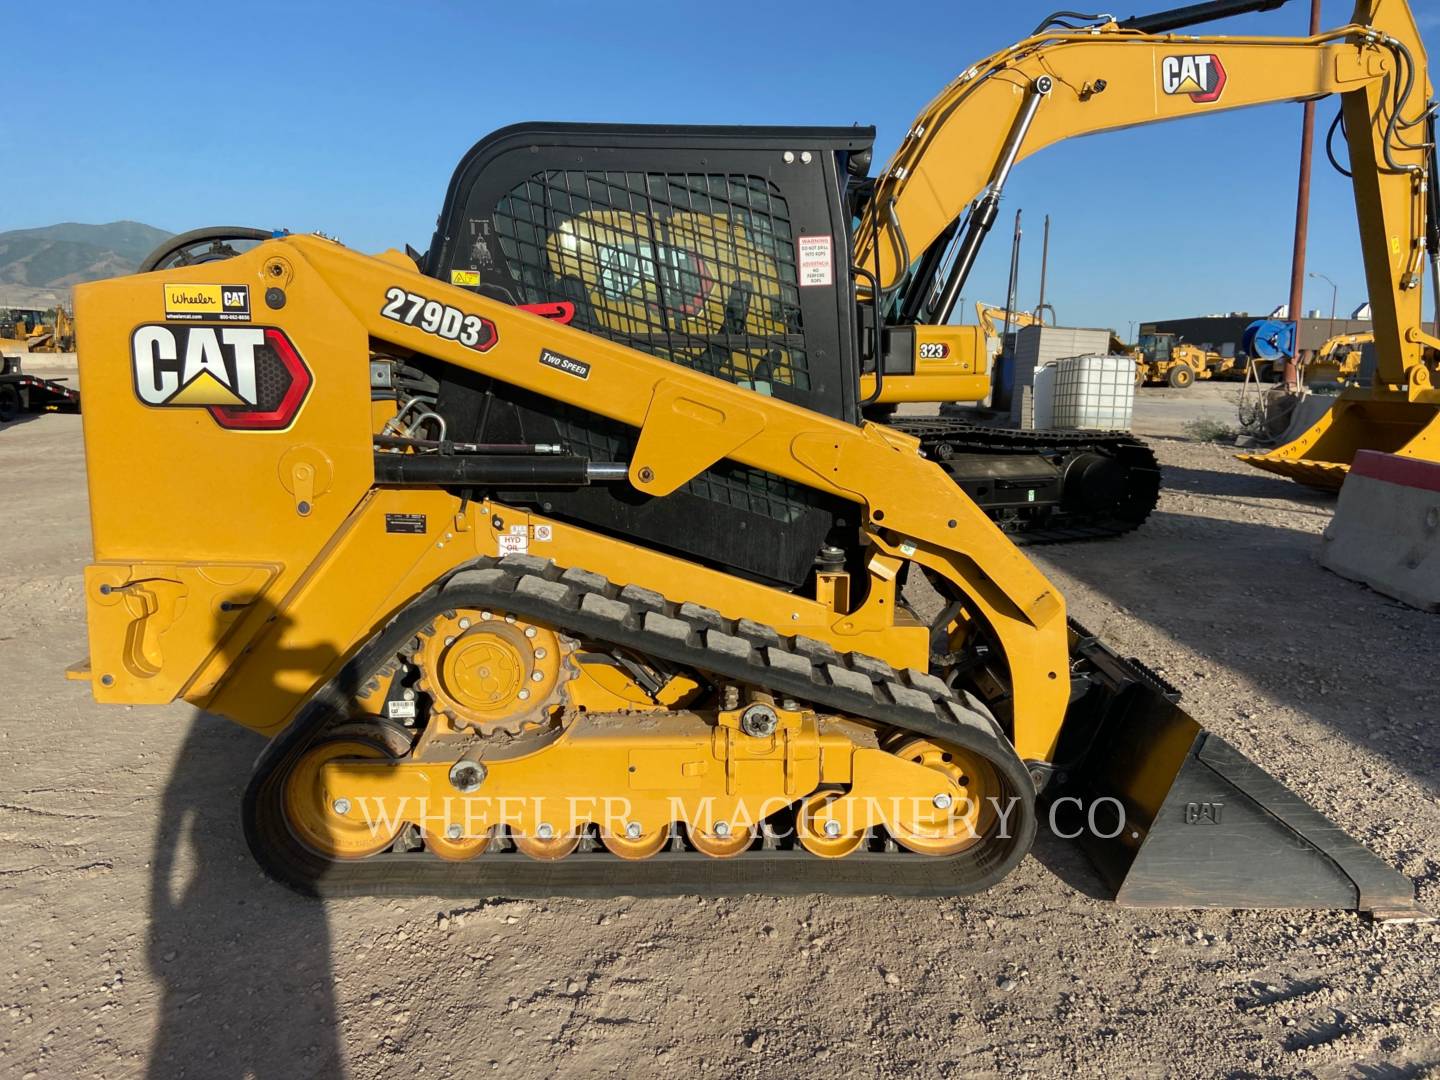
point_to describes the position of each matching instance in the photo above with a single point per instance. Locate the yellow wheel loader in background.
(1161, 360)
(556, 560)
(18, 324)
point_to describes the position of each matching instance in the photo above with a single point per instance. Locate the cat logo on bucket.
(249, 378)
(1201, 77)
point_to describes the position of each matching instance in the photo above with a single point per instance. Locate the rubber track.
(965, 437)
(697, 637)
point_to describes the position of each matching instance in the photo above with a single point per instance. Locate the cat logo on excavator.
(250, 378)
(1202, 77)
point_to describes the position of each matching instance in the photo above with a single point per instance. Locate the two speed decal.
(439, 319)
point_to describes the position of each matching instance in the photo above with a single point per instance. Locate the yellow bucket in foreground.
(1320, 456)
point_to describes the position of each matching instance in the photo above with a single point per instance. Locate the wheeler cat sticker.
(442, 320)
(249, 378)
(212, 303)
(1202, 77)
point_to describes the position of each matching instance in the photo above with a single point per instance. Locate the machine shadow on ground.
(18, 419)
(244, 963)
(1066, 859)
(1233, 485)
(1180, 574)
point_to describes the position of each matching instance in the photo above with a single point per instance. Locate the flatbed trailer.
(21, 393)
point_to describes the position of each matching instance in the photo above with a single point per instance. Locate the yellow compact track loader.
(560, 558)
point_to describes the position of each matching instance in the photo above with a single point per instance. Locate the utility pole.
(1014, 284)
(1334, 294)
(1002, 395)
(1044, 264)
(1302, 221)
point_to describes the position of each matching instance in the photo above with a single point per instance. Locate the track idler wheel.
(971, 816)
(331, 823)
(634, 844)
(457, 849)
(546, 848)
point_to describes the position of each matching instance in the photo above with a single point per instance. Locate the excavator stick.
(1174, 816)
(1320, 456)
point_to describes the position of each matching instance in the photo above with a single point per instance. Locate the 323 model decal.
(442, 320)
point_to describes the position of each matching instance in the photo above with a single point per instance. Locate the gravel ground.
(143, 939)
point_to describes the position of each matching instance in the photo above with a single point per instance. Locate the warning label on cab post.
(816, 258)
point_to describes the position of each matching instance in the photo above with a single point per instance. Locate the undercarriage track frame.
(967, 437)
(739, 650)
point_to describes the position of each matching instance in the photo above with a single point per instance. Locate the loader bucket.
(1320, 456)
(1177, 817)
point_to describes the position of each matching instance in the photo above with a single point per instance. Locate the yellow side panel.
(949, 364)
(152, 626)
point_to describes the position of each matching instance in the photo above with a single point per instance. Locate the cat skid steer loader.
(559, 559)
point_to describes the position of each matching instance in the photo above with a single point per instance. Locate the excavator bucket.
(1320, 456)
(1174, 816)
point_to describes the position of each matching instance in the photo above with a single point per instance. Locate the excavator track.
(1129, 494)
(699, 638)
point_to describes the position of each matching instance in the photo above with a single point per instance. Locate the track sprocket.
(492, 673)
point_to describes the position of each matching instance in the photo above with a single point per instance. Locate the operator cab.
(724, 249)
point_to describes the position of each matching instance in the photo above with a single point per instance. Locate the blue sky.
(349, 117)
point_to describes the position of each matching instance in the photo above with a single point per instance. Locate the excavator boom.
(1062, 82)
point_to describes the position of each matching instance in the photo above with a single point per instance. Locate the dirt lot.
(141, 938)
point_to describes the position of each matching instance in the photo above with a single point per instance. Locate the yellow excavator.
(533, 600)
(706, 271)
(992, 318)
(1338, 360)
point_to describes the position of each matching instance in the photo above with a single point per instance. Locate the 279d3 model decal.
(442, 320)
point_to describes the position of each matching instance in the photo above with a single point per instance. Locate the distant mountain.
(59, 256)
